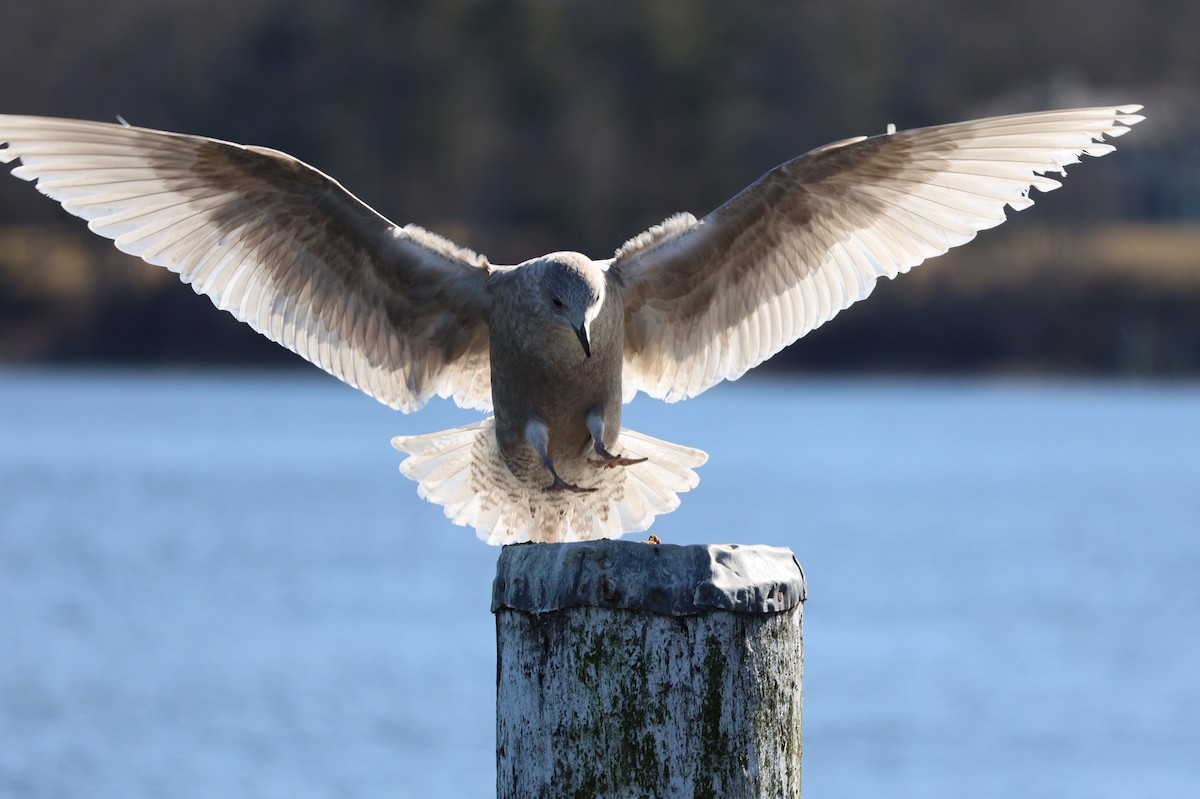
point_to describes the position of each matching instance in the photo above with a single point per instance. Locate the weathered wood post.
(637, 670)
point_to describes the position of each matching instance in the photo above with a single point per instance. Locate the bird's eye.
(557, 302)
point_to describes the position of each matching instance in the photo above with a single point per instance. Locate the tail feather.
(462, 470)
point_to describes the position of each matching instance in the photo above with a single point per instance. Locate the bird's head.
(572, 291)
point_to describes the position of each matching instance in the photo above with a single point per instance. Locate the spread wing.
(706, 300)
(398, 312)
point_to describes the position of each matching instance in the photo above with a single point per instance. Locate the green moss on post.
(634, 670)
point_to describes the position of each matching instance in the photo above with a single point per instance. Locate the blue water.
(220, 586)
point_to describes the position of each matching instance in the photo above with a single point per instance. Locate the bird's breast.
(540, 369)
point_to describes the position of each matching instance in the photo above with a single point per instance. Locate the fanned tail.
(462, 470)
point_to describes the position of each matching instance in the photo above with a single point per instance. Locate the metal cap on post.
(633, 670)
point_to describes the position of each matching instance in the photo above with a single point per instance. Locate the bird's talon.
(609, 463)
(562, 485)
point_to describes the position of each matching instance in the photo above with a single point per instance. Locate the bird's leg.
(538, 436)
(595, 424)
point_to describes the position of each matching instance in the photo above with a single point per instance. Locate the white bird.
(554, 345)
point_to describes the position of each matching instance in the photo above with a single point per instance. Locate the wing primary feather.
(812, 236)
(235, 223)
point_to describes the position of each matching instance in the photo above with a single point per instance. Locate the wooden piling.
(638, 670)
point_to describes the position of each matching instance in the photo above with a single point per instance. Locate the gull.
(556, 345)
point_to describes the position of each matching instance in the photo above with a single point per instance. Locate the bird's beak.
(581, 331)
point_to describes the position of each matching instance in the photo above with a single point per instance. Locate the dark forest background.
(517, 128)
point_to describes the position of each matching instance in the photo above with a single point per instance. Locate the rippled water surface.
(218, 585)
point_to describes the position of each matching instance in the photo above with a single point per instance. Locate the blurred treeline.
(517, 128)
